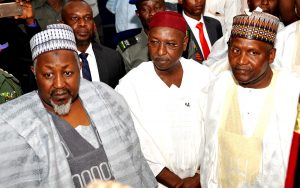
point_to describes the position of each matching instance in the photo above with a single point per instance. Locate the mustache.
(242, 67)
(161, 59)
(60, 92)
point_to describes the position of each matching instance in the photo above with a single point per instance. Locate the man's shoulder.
(210, 20)
(222, 79)
(99, 48)
(132, 42)
(140, 71)
(9, 86)
(287, 77)
(19, 109)
(194, 66)
(99, 90)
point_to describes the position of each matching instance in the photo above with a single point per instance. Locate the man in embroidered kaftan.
(251, 111)
(70, 131)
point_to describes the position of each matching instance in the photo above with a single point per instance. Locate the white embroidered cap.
(256, 25)
(55, 37)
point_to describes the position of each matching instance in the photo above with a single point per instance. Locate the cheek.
(152, 51)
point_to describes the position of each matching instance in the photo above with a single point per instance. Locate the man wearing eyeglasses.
(99, 62)
(167, 99)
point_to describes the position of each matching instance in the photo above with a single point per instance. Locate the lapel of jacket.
(211, 30)
(100, 58)
(193, 51)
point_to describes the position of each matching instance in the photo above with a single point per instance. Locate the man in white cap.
(251, 111)
(70, 131)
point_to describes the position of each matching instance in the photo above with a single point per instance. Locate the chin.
(62, 109)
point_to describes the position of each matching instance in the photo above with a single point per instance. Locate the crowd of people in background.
(187, 94)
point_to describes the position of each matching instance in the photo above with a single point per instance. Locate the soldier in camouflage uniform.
(134, 50)
(9, 87)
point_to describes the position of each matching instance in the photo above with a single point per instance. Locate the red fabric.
(294, 155)
(168, 19)
(205, 47)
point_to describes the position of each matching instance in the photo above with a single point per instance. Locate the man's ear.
(95, 28)
(32, 69)
(272, 55)
(185, 42)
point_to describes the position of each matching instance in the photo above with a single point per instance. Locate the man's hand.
(27, 12)
(191, 182)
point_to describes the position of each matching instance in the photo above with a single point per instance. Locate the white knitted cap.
(55, 37)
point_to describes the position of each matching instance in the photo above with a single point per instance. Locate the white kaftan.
(277, 136)
(169, 120)
(286, 47)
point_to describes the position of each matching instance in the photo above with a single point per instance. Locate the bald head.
(74, 5)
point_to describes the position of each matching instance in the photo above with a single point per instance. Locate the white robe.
(286, 47)
(169, 121)
(224, 11)
(277, 138)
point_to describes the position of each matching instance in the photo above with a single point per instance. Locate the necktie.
(86, 73)
(204, 45)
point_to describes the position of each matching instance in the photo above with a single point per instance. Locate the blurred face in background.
(268, 6)
(79, 16)
(147, 8)
(193, 8)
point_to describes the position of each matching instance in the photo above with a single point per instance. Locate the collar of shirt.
(192, 24)
(92, 63)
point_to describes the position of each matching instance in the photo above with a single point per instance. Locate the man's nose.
(162, 49)
(59, 81)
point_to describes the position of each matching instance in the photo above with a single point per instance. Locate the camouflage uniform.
(9, 87)
(134, 50)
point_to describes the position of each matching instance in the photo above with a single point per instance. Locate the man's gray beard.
(62, 109)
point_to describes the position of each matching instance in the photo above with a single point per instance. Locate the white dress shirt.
(92, 63)
(125, 15)
(192, 24)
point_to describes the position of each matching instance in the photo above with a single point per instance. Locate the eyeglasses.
(169, 45)
(87, 18)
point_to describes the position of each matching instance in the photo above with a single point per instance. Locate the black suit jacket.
(214, 30)
(110, 64)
